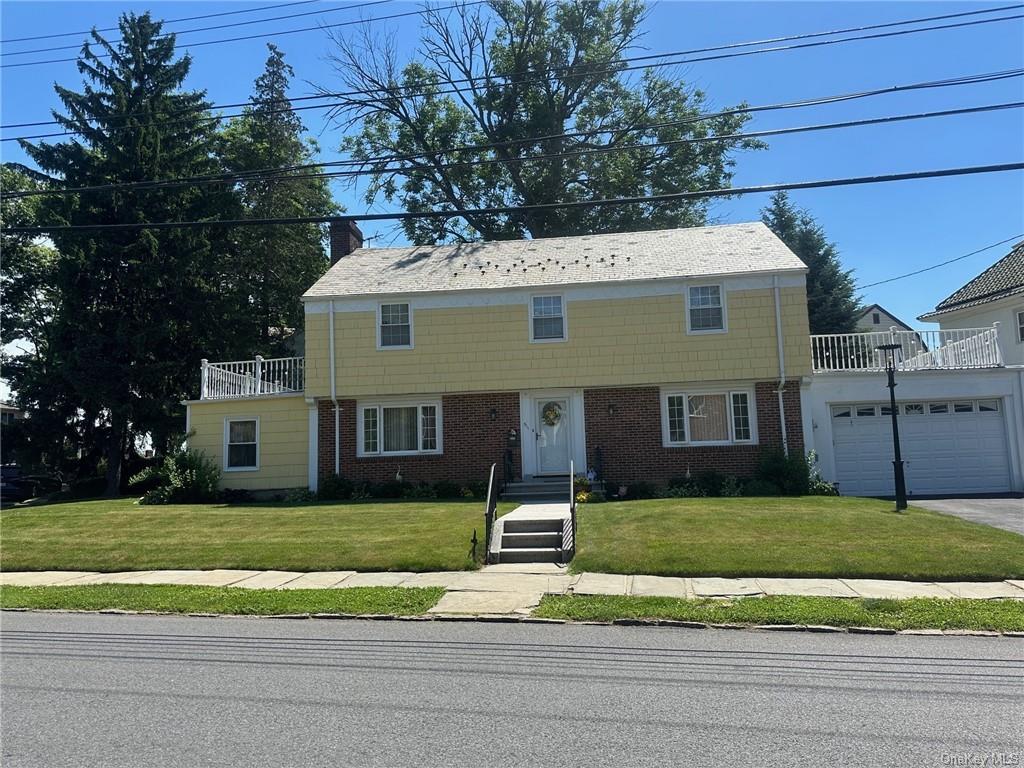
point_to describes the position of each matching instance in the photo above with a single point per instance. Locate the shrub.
(88, 488)
(235, 495)
(731, 487)
(641, 490)
(758, 487)
(789, 473)
(816, 486)
(687, 490)
(477, 490)
(710, 482)
(389, 489)
(183, 477)
(581, 483)
(422, 490)
(583, 497)
(300, 496)
(335, 488)
(446, 489)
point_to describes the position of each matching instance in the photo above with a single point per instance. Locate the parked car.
(13, 485)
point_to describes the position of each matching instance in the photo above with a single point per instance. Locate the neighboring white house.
(960, 395)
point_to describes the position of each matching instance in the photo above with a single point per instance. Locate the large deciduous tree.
(832, 301)
(274, 265)
(135, 309)
(519, 76)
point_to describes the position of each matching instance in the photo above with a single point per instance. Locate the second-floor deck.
(954, 349)
(249, 378)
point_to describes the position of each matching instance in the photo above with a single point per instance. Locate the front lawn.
(401, 601)
(916, 613)
(812, 536)
(119, 535)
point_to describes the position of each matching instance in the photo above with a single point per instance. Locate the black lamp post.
(890, 351)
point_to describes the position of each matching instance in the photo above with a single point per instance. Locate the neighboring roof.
(886, 312)
(1002, 279)
(731, 249)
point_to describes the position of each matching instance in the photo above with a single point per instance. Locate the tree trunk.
(115, 455)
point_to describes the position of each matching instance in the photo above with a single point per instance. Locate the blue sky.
(880, 230)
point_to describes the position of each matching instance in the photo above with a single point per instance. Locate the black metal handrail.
(571, 548)
(490, 513)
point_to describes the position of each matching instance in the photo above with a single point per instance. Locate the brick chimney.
(345, 238)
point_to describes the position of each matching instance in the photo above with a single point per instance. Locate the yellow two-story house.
(641, 356)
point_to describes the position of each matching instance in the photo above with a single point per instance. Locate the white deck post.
(259, 374)
(203, 378)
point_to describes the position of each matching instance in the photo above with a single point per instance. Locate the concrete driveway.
(1007, 514)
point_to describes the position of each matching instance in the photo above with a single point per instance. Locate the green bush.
(788, 473)
(710, 482)
(422, 490)
(183, 477)
(335, 488)
(688, 489)
(88, 488)
(446, 489)
(235, 495)
(641, 490)
(731, 487)
(300, 496)
(757, 487)
(816, 485)
(389, 489)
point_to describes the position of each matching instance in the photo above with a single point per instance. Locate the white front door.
(553, 436)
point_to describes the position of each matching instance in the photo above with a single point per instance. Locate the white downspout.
(782, 363)
(334, 391)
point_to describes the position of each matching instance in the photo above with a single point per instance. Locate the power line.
(165, 21)
(277, 33)
(209, 29)
(261, 175)
(505, 210)
(708, 49)
(940, 264)
(617, 68)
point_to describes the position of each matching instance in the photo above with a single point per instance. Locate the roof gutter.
(334, 390)
(782, 363)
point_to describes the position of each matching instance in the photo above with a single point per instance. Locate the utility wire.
(177, 32)
(278, 33)
(940, 264)
(617, 68)
(504, 210)
(645, 57)
(165, 21)
(279, 174)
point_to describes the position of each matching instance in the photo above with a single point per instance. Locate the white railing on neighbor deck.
(960, 348)
(246, 378)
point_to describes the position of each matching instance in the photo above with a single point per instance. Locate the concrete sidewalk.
(514, 588)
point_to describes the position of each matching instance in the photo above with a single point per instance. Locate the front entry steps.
(531, 533)
(537, 489)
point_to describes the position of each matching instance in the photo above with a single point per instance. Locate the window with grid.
(677, 418)
(705, 308)
(740, 416)
(241, 445)
(548, 320)
(404, 428)
(395, 327)
(1020, 326)
(716, 417)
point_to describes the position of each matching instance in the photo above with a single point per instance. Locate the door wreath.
(552, 414)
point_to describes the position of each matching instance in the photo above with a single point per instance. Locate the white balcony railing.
(960, 348)
(247, 378)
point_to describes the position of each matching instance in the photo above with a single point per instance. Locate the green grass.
(119, 535)
(812, 536)
(923, 613)
(243, 602)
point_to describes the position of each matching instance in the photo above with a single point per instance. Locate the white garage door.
(950, 447)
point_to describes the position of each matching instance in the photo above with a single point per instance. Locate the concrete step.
(530, 555)
(548, 525)
(531, 540)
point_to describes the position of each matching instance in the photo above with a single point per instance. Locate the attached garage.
(949, 446)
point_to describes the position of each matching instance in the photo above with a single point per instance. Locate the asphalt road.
(81, 690)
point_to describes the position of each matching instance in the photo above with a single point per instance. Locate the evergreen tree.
(832, 301)
(135, 310)
(274, 265)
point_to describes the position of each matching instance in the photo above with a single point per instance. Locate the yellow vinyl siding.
(611, 342)
(283, 439)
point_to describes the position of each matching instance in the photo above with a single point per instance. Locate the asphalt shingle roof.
(670, 253)
(1002, 279)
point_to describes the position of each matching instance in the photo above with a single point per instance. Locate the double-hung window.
(399, 428)
(1020, 326)
(705, 309)
(394, 327)
(707, 418)
(547, 318)
(241, 445)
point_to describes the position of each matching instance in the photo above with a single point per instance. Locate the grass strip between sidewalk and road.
(914, 613)
(401, 601)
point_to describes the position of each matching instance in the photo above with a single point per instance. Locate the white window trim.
(412, 337)
(361, 408)
(1019, 317)
(666, 442)
(227, 434)
(565, 319)
(725, 311)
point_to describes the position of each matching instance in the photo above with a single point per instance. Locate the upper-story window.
(876, 318)
(394, 326)
(547, 318)
(705, 309)
(1020, 326)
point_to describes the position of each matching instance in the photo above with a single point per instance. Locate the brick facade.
(630, 440)
(471, 440)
